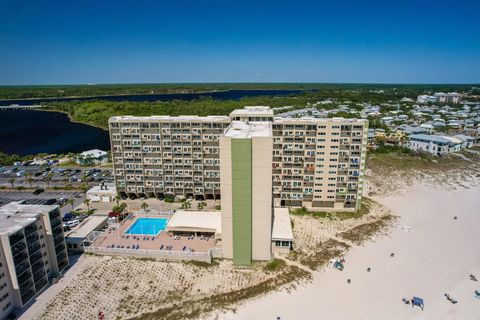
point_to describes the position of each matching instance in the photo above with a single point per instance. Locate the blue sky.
(70, 42)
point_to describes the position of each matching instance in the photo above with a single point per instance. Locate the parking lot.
(46, 197)
(50, 175)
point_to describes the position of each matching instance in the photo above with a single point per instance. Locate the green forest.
(97, 112)
(58, 91)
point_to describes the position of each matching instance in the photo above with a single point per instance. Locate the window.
(280, 243)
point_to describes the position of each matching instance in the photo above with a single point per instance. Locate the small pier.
(18, 107)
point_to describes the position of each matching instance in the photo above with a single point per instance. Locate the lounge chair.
(184, 248)
(161, 247)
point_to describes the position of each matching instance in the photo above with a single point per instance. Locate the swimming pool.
(147, 226)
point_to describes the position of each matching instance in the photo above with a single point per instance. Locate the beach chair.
(416, 301)
(476, 294)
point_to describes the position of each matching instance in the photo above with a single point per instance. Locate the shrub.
(275, 265)
(169, 198)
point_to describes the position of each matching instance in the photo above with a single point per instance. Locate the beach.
(433, 254)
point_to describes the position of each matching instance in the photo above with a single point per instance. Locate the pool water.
(147, 226)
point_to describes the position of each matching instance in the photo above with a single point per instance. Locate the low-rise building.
(282, 233)
(76, 238)
(90, 157)
(467, 141)
(32, 251)
(105, 192)
(426, 99)
(433, 144)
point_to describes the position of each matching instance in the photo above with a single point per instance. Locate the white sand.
(435, 257)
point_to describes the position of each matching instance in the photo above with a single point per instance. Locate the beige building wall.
(9, 285)
(226, 200)
(262, 150)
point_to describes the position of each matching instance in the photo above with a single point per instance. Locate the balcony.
(20, 257)
(38, 268)
(39, 275)
(19, 247)
(25, 276)
(59, 242)
(55, 223)
(57, 231)
(41, 284)
(28, 295)
(14, 238)
(36, 257)
(54, 214)
(32, 238)
(62, 265)
(30, 229)
(61, 255)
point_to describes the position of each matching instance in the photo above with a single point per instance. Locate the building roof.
(195, 221)
(239, 129)
(464, 138)
(110, 188)
(171, 119)
(16, 215)
(259, 111)
(95, 153)
(434, 138)
(282, 227)
(86, 227)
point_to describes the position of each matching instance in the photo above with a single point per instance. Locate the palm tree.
(144, 206)
(11, 181)
(117, 199)
(29, 180)
(72, 202)
(87, 202)
(48, 178)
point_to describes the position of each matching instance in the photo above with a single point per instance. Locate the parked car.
(50, 201)
(38, 191)
(82, 217)
(67, 217)
(71, 223)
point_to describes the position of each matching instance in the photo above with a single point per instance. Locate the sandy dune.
(435, 257)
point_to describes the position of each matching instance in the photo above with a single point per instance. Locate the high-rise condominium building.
(32, 251)
(246, 188)
(316, 163)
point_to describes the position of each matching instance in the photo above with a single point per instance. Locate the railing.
(163, 254)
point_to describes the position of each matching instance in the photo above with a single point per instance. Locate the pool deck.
(118, 238)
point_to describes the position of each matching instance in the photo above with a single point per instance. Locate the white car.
(72, 223)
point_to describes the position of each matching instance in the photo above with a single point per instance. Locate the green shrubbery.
(275, 265)
(169, 198)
